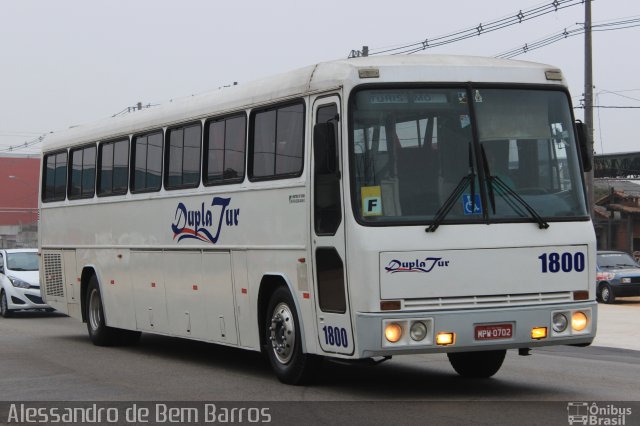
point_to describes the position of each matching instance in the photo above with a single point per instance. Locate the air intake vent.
(496, 301)
(54, 284)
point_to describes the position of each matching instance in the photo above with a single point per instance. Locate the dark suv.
(617, 275)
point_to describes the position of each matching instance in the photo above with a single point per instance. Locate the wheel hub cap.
(282, 333)
(94, 310)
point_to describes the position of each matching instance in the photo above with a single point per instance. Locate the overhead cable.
(482, 28)
(569, 32)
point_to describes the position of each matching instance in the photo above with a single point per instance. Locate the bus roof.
(311, 79)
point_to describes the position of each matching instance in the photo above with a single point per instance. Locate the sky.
(69, 62)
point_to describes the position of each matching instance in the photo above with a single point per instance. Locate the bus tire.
(483, 364)
(99, 333)
(283, 341)
(4, 305)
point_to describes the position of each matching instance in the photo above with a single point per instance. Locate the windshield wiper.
(446, 207)
(509, 194)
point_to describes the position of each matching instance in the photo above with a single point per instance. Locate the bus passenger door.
(327, 233)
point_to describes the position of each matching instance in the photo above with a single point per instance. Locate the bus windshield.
(415, 150)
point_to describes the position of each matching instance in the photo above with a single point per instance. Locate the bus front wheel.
(99, 333)
(283, 341)
(481, 364)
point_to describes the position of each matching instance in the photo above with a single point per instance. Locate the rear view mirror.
(586, 152)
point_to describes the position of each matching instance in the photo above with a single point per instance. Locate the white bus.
(355, 209)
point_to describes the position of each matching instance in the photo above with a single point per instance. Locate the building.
(617, 215)
(19, 182)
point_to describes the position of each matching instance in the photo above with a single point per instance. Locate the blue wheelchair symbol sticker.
(467, 205)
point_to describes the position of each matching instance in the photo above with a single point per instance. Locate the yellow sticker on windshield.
(371, 201)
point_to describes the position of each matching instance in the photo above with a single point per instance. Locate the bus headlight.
(393, 332)
(418, 331)
(579, 321)
(560, 322)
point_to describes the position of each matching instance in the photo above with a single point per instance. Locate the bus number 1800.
(335, 336)
(565, 262)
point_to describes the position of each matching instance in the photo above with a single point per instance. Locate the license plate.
(494, 331)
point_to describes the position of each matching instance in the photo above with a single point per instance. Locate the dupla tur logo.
(424, 266)
(206, 223)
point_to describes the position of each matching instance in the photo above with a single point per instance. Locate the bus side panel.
(246, 317)
(71, 276)
(217, 291)
(149, 291)
(186, 304)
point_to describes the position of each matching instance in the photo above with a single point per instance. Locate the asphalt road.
(46, 357)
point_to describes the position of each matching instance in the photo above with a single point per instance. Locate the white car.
(19, 281)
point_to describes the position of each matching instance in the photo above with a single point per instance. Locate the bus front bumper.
(475, 329)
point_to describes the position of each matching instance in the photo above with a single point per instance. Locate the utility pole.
(588, 98)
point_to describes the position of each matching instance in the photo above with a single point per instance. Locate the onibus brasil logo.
(426, 265)
(204, 223)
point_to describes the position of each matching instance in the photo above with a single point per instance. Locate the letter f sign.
(372, 206)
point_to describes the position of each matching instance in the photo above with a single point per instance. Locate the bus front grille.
(491, 301)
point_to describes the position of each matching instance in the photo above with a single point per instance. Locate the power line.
(604, 92)
(498, 24)
(569, 32)
(27, 144)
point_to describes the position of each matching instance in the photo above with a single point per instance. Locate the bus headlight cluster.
(568, 323)
(407, 332)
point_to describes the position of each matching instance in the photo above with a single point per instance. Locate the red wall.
(20, 192)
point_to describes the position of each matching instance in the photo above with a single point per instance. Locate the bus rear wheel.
(481, 364)
(283, 341)
(99, 333)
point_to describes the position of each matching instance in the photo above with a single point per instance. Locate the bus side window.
(224, 147)
(113, 168)
(183, 156)
(55, 177)
(277, 142)
(147, 162)
(82, 178)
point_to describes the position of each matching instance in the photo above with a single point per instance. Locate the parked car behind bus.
(19, 281)
(618, 275)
